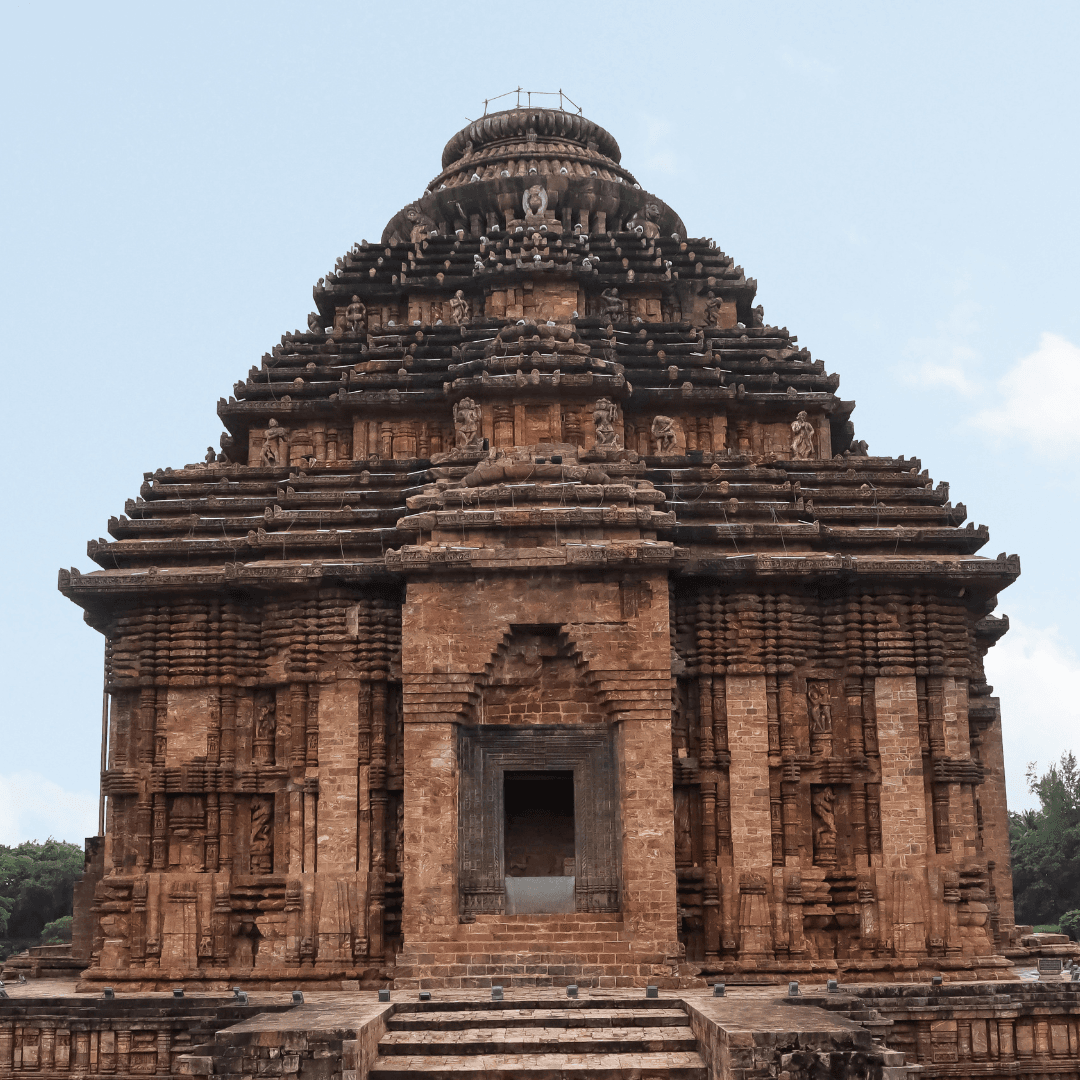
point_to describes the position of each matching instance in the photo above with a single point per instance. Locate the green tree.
(35, 889)
(1070, 924)
(1045, 845)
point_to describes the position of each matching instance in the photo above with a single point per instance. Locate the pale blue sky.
(900, 178)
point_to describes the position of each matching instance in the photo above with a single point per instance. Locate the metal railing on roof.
(518, 91)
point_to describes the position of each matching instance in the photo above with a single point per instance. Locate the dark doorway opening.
(539, 829)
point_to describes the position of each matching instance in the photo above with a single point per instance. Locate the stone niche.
(485, 755)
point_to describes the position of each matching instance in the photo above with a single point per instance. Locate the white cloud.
(1035, 675)
(947, 357)
(32, 807)
(1039, 396)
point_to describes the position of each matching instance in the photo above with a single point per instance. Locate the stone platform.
(887, 1031)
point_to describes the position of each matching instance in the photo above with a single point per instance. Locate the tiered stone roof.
(734, 508)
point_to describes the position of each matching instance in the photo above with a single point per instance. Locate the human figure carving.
(266, 724)
(665, 435)
(712, 309)
(820, 708)
(821, 804)
(605, 416)
(614, 305)
(466, 423)
(275, 442)
(314, 323)
(355, 316)
(460, 309)
(262, 823)
(802, 437)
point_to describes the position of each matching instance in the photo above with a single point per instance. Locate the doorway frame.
(485, 755)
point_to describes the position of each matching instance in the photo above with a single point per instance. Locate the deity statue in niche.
(262, 834)
(820, 707)
(275, 448)
(712, 309)
(460, 309)
(822, 803)
(262, 747)
(665, 435)
(355, 316)
(314, 323)
(605, 416)
(466, 423)
(613, 305)
(819, 710)
(802, 437)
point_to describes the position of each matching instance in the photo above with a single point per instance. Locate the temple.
(541, 621)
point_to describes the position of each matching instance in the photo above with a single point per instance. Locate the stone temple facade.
(541, 620)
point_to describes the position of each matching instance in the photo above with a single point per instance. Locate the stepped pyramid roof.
(536, 366)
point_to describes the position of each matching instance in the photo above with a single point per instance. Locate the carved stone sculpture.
(355, 316)
(420, 225)
(822, 804)
(644, 221)
(460, 309)
(605, 416)
(819, 709)
(535, 201)
(466, 423)
(275, 448)
(712, 309)
(262, 834)
(314, 323)
(665, 436)
(802, 437)
(614, 307)
(262, 748)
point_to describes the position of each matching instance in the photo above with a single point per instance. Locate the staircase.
(589, 949)
(572, 1039)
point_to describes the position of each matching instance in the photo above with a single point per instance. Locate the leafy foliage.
(1070, 924)
(57, 932)
(1045, 845)
(35, 889)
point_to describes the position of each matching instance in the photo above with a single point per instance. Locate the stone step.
(569, 968)
(565, 1066)
(564, 919)
(426, 981)
(576, 1014)
(540, 1040)
(529, 942)
(515, 933)
(525, 956)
